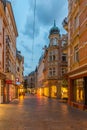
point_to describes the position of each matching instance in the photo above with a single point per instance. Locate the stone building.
(55, 63)
(77, 53)
(8, 34)
(31, 78)
(19, 66)
(19, 70)
(40, 77)
(3, 24)
(64, 67)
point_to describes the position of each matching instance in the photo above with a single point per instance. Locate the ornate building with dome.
(54, 66)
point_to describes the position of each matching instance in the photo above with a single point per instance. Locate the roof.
(54, 29)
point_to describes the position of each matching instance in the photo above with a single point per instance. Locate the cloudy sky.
(45, 13)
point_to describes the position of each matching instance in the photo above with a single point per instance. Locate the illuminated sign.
(9, 81)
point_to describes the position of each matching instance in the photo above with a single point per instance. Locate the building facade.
(3, 24)
(8, 34)
(31, 82)
(55, 64)
(19, 72)
(40, 77)
(77, 53)
(64, 66)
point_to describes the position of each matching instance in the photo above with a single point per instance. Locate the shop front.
(53, 91)
(78, 90)
(64, 89)
(2, 87)
(10, 90)
(46, 91)
(78, 93)
(64, 92)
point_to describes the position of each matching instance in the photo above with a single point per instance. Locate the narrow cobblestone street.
(41, 113)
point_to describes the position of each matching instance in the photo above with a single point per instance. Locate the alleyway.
(41, 113)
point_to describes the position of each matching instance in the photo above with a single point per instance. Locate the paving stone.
(41, 113)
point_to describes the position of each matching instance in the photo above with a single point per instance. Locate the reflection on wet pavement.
(41, 113)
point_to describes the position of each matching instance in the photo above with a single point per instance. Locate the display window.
(79, 90)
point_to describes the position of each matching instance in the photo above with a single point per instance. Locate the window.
(52, 56)
(78, 89)
(63, 42)
(64, 57)
(54, 41)
(76, 22)
(76, 54)
(1, 25)
(64, 70)
(18, 69)
(51, 42)
(52, 71)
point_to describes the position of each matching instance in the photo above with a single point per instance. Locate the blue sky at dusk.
(46, 12)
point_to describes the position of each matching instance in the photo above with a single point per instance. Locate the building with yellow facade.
(54, 64)
(8, 34)
(40, 76)
(77, 53)
(19, 73)
(3, 25)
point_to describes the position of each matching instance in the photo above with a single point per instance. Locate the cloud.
(27, 65)
(45, 36)
(30, 29)
(49, 10)
(27, 49)
(46, 12)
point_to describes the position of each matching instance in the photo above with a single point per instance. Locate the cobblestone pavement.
(41, 113)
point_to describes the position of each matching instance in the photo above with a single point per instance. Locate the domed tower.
(54, 58)
(54, 35)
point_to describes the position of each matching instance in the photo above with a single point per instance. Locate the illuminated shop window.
(53, 91)
(78, 90)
